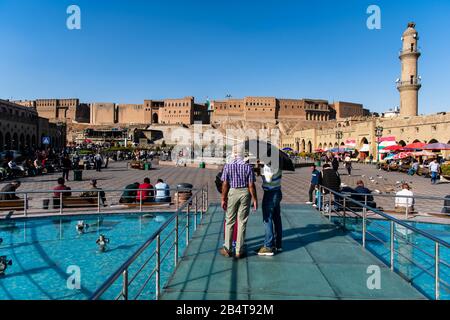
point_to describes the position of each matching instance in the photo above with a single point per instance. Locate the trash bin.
(147, 166)
(202, 165)
(318, 163)
(184, 193)
(77, 175)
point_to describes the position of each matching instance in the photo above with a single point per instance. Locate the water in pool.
(409, 247)
(46, 252)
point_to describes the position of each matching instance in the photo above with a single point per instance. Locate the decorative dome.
(410, 30)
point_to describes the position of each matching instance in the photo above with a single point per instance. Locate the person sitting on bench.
(145, 192)
(361, 189)
(162, 192)
(57, 191)
(10, 187)
(93, 193)
(129, 193)
(404, 199)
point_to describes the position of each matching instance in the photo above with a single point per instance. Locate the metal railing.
(22, 204)
(341, 205)
(192, 207)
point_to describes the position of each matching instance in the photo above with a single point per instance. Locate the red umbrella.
(414, 146)
(393, 148)
(402, 155)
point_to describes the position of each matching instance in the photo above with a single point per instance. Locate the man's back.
(331, 179)
(403, 199)
(162, 190)
(7, 188)
(238, 173)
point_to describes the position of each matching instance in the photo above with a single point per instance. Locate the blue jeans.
(434, 176)
(272, 218)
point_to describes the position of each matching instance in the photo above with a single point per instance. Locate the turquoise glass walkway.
(318, 262)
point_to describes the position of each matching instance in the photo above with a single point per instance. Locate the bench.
(12, 205)
(148, 204)
(71, 202)
(439, 215)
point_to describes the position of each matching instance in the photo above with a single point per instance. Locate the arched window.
(15, 142)
(8, 141)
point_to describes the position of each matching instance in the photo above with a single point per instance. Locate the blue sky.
(128, 51)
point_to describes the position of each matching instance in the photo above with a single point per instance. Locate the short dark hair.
(61, 181)
(146, 180)
(160, 181)
(326, 165)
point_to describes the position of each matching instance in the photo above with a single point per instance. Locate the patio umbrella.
(424, 153)
(319, 150)
(437, 146)
(414, 146)
(389, 157)
(391, 148)
(402, 155)
(286, 163)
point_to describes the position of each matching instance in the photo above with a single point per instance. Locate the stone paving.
(295, 184)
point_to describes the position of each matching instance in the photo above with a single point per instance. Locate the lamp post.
(378, 134)
(339, 136)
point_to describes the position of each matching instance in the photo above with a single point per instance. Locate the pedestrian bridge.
(319, 261)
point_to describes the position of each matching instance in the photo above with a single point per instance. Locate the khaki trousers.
(238, 207)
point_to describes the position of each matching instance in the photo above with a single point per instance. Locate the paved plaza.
(295, 184)
(319, 261)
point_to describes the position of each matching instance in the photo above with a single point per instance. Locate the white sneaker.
(314, 205)
(309, 202)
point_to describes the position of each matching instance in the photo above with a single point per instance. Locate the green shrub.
(446, 170)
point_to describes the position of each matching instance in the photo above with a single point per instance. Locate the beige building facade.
(21, 128)
(404, 130)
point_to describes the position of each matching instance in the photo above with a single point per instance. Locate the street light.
(378, 134)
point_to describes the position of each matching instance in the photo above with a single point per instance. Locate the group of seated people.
(404, 199)
(146, 193)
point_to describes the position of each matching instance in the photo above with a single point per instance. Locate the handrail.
(155, 236)
(392, 232)
(389, 217)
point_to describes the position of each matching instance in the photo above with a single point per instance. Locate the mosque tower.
(410, 83)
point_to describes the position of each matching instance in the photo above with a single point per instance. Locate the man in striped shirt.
(271, 210)
(238, 192)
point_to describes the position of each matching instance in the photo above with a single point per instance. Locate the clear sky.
(128, 51)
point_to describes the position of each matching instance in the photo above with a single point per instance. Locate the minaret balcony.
(410, 52)
(411, 84)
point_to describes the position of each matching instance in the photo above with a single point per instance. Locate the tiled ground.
(318, 262)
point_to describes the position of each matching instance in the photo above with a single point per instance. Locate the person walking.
(272, 211)
(66, 166)
(348, 165)
(238, 192)
(335, 163)
(98, 162)
(315, 181)
(435, 168)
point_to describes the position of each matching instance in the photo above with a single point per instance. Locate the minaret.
(409, 84)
